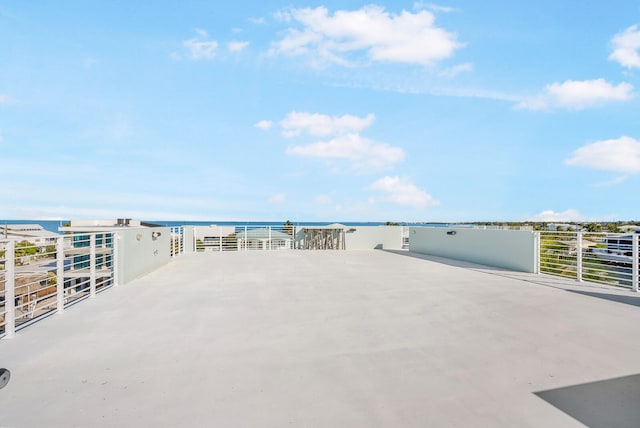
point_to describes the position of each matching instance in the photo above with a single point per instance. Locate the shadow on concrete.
(627, 300)
(543, 280)
(611, 403)
(444, 260)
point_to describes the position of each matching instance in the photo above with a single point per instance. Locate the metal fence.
(247, 238)
(177, 241)
(604, 258)
(41, 278)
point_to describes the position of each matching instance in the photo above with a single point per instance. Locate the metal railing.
(248, 238)
(37, 280)
(604, 258)
(177, 241)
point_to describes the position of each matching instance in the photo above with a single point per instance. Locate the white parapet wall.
(189, 239)
(373, 237)
(141, 250)
(508, 249)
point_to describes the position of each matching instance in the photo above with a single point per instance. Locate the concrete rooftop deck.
(325, 339)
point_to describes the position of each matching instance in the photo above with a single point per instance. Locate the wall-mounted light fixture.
(139, 236)
(155, 235)
(451, 232)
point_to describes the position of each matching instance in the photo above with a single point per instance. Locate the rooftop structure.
(103, 225)
(31, 232)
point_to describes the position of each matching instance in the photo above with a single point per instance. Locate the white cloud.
(626, 47)
(282, 16)
(363, 154)
(236, 46)
(372, 32)
(552, 216)
(257, 21)
(320, 125)
(577, 95)
(265, 125)
(278, 198)
(457, 69)
(401, 191)
(619, 155)
(201, 47)
(420, 5)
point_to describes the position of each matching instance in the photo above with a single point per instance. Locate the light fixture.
(451, 232)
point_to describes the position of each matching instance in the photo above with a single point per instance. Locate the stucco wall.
(509, 249)
(140, 253)
(370, 237)
(189, 239)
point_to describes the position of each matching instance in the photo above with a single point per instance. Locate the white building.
(33, 233)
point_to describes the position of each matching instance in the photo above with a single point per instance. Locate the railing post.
(10, 290)
(193, 239)
(537, 242)
(92, 265)
(270, 237)
(60, 274)
(115, 266)
(172, 242)
(579, 258)
(246, 239)
(636, 261)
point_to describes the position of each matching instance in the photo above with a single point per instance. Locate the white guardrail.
(244, 238)
(41, 278)
(603, 258)
(265, 238)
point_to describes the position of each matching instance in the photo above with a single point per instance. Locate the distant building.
(212, 237)
(33, 233)
(620, 245)
(264, 239)
(79, 268)
(93, 226)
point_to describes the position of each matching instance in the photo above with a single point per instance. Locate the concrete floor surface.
(319, 339)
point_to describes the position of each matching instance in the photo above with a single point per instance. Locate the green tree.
(52, 279)
(613, 228)
(25, 248)
(593, 227)
(49, 251)
(287, 228)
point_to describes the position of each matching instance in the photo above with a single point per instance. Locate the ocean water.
(52, 225)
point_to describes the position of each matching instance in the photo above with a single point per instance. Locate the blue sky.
(320, 111)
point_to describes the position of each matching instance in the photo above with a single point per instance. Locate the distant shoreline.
(52, 225)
